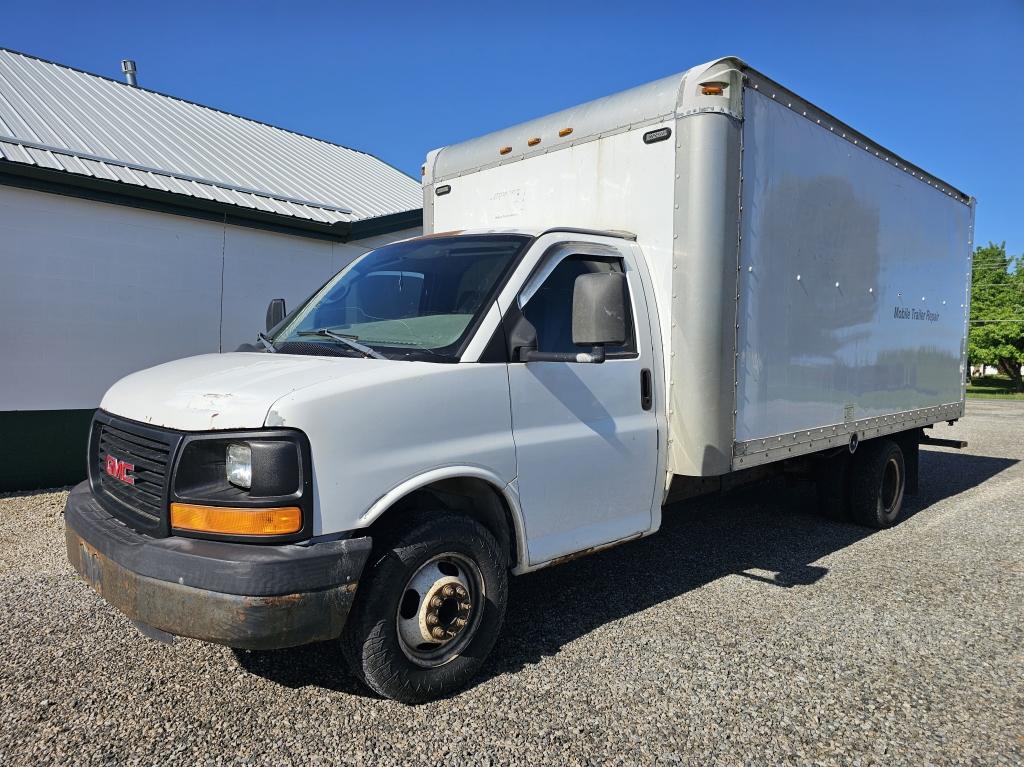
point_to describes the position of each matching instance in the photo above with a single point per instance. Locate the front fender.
(506, 490)
(377, 435)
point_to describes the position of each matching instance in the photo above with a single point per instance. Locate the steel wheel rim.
(890, 491)
(432, 601)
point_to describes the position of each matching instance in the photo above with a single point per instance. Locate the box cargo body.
(810, 284)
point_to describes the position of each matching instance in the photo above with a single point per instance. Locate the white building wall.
(91, 291)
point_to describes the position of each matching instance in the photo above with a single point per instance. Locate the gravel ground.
(747, 632)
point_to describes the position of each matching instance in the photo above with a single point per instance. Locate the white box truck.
(672, 290)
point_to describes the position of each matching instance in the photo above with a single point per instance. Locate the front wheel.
(429, 608)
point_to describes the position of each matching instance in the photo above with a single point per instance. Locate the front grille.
(141, 503)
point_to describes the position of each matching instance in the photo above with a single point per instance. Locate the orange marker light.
(712, 89)
(505, 150)
(235, 521)
(564, 132)
(533, 141)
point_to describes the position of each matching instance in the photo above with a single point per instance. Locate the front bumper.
(241, 595)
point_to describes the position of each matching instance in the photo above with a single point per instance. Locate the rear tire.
(440, 573)
(877, 484)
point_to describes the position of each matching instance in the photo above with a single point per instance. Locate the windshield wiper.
(351, 342)
(267, 343)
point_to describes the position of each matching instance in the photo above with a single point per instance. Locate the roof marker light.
(564, 132)
(505, 150)
(533, 141)
(713, 88)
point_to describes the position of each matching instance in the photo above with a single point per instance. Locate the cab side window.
(549, 309)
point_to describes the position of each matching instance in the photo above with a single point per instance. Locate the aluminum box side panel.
(852, 283)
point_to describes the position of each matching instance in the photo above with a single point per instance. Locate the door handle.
(646, 389)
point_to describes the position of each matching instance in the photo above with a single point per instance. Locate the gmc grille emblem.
(119, 470)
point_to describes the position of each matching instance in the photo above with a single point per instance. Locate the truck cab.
(488, 394)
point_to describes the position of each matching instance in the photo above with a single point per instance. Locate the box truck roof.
(674, 96)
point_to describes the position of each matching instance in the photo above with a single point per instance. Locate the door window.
(549, 309)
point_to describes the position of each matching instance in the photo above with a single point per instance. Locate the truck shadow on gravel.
(771, 528)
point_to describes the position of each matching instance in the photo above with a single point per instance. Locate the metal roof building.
(107, 134)
(136, 228)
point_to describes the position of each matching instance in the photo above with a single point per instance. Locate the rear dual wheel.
(867, 487)
(429, 608)
(877, 484)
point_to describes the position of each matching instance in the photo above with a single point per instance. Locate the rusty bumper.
(240, 595)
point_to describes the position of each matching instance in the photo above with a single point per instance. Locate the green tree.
(997, 312)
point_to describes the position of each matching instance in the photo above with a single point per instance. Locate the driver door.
(586, 434)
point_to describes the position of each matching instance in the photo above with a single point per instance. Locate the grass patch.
(992, 387)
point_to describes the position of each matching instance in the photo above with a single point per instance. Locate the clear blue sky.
(938, 82)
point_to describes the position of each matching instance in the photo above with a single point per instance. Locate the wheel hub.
(436, 616)
(445, 611)
(890, 485)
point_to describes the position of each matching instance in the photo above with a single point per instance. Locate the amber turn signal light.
(712, 89)
(229, 520)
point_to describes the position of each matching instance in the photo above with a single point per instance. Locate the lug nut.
(460, 622)
(431, 618)
(448, 590)
(437, 633)
(466, 606)
(461, 592)
(436, 601)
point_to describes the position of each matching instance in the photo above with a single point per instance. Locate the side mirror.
(598, 320)
(275, 313)
(599, 309)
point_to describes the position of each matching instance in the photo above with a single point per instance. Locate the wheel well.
(468, 496)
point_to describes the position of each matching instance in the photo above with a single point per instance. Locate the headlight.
(243, 485)
(238, 465)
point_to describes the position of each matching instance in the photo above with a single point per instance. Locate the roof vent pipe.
(128, 67)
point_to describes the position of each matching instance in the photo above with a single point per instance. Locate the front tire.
(429, 608)
(877, 484)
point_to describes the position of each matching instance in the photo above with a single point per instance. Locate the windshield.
(417, 298)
